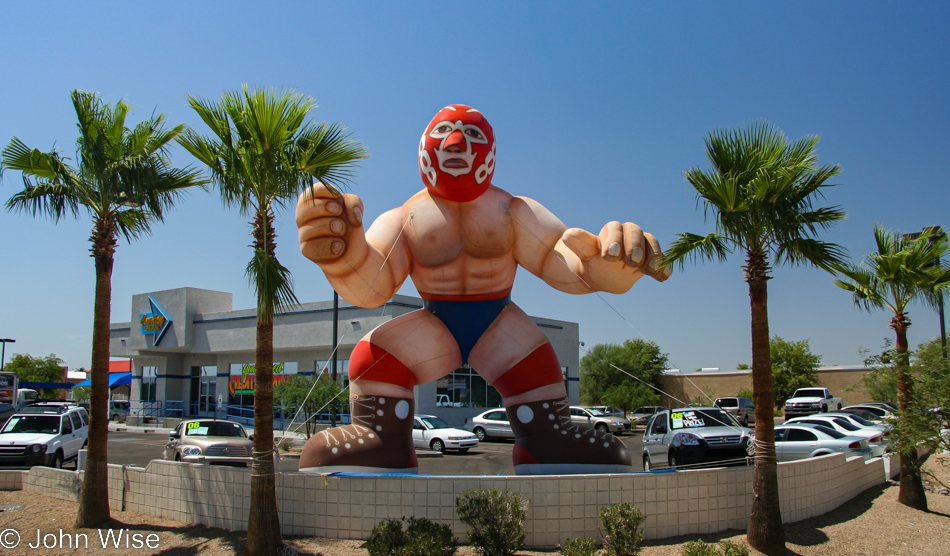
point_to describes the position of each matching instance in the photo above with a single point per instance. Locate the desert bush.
(724, 548)
(422, 537)
(579, 547)
(621, 529)
(495, 520)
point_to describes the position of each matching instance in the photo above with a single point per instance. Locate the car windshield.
(435, 423)
(829, 431)
(860, 421)
(809, 393)
(45, 424)
(596, 412)
(697, 418)
(214, 428)
(845, 424)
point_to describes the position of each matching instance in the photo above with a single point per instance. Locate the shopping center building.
(192, 353)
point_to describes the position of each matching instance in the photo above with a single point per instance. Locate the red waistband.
(477, 297)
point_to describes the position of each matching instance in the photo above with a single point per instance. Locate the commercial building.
(192, 353)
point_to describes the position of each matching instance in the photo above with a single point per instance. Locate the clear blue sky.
(598, 109)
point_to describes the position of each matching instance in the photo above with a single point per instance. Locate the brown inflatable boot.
(378, 441)
(547, 443)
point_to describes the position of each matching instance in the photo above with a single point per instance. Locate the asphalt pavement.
(139, 445)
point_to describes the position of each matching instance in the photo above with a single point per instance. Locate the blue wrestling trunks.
(467, 321)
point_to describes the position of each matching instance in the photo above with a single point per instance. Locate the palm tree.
(124, 183)
(261, 155)
(760, 192)
(891, 278)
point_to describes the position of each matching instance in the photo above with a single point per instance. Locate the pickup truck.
(807, 401)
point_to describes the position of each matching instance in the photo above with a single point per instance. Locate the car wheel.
(824, 409)
(601, 427)
(745, 422)
(839, 407)
(480, 434)
(437, 446)
(177, 457)
(463, 450)
(57, 462)
(672, 460)
(113, 417)
(646, 464)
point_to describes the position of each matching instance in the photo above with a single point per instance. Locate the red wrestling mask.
(457, 154)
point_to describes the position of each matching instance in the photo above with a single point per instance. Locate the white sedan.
(431, 433)
(802, 441)
(845, 425)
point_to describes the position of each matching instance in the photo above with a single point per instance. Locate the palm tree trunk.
(263, 524)
(912, 492)
(766, 532)
(94, 498)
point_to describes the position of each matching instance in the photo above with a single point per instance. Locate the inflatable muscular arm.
(576, 261)
(354, 261)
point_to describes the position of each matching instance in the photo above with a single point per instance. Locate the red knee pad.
(371, 362)
(539, 368)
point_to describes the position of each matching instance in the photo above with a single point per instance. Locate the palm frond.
(695, 247)
(273, 284)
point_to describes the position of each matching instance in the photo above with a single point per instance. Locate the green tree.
(124, 183)
(898, 273)
(37, 369)
(628, 396)
(262, 153)
(760, 193)
(608, 365)
(305, 397)
(793, 367)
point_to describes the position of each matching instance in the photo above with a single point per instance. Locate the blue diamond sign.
(155, 323)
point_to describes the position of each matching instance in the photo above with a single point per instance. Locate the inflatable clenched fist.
(326, 221)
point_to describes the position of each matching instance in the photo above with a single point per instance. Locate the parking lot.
(489, 458)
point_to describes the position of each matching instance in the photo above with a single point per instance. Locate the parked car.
(796, 441)
(741, 408)
(876, 413)
(886, 405)
(431, 433)
(491, 424)
(46, 434)
(843, 424)
(443, 400)
(118, 409)
(609, 410)
(591, 418)
(211, 442)
(695, 436)
(641, 415)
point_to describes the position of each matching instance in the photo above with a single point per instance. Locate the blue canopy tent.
(115, 379)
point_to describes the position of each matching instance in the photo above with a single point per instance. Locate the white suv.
(44, 434)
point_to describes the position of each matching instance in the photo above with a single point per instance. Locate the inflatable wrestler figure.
(461, 240)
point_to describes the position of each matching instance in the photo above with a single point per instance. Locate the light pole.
(3, 351)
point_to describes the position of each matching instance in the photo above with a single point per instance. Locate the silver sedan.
(802, 441)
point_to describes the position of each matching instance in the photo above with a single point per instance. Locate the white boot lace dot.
(525, 414)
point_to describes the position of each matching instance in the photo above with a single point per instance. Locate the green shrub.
(579, 547)
(621, 529)
(496, 520)
(422, 537)
(733, 548)
(724, 548)
(386, 537)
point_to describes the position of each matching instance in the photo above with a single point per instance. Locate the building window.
(465, 388)
(241, 381)
(149, 381)
(342, 369)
